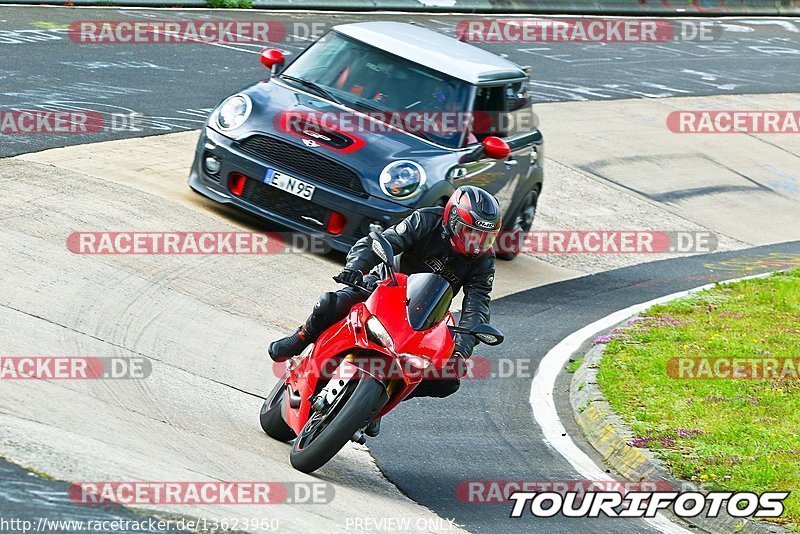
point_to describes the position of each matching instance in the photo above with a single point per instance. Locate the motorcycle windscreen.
(429, 297)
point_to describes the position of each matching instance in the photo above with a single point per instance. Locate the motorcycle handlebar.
(355, 286)
(365, 289)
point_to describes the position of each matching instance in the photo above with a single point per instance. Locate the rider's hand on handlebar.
(349, 277)
(458, 364)
(370, 282)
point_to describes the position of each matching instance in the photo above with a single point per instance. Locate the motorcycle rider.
(454, 242)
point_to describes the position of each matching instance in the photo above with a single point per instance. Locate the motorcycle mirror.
(382, 248)
(488, 334)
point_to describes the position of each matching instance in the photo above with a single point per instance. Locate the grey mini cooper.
(369, 123)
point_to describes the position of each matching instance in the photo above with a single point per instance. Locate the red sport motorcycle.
(364, 365)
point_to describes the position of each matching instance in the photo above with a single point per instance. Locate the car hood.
(281, 111)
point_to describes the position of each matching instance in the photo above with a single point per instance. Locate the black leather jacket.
(423, 247)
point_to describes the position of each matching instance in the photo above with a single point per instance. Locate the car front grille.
(303, 162)
(285, 204)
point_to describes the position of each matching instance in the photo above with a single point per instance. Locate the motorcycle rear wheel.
(327, 431)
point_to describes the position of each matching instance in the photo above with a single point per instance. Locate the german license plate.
(290, 184)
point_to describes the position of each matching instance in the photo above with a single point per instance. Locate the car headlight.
(402, 179)
(233, 111)
(379, 333)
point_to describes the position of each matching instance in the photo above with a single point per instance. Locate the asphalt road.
(172, 87)
(486, 432)
(29, 502)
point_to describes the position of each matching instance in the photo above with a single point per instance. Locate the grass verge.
(230, 4)
(731, 428)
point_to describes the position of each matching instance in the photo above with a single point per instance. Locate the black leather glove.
(349, 276)
(458, 364)
(460, 350)
(371, 282)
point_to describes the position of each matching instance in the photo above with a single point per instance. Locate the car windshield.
(380, 84)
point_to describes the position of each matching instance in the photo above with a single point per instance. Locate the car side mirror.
(491, 147)
(273, 59)
(496, 148)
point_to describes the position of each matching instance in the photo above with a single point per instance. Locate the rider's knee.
(345, 299)
(446, 388)
(326, 304)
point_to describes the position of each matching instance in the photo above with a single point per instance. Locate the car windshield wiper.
(372, 107)
(313, 86)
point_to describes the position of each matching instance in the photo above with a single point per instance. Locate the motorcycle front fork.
(344, 373)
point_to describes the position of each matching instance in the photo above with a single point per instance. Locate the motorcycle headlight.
(379, 333)
(418, 363)
(402, 179)
(233, 111)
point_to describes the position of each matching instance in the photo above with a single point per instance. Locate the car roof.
(434, 50)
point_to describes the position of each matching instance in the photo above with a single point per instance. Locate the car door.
(521, 134)
(496, 111)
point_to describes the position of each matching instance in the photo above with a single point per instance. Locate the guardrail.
(586, 7)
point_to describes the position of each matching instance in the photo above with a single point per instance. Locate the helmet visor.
(474, 240)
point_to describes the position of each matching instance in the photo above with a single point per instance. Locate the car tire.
(522, 221)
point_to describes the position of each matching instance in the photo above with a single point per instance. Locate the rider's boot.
(374, 428)
(319, 320)
(284, 348)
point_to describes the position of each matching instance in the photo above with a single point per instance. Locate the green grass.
(727, 434)
(574, 365)
(230, 4)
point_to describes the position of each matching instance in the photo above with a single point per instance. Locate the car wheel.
(521, 222)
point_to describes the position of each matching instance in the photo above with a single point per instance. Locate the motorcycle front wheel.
(328, 430)
(271, 416)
